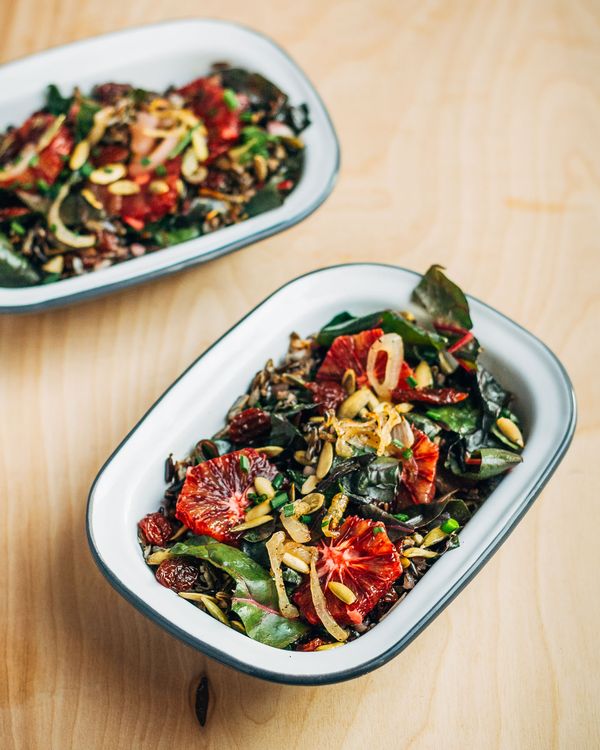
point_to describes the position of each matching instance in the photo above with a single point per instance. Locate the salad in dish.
(94, 179)
(340, 477)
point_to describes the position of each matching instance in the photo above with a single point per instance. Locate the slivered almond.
(510, 430)
(295, 563)
(252, 524)
(325, 461)
(343, 593)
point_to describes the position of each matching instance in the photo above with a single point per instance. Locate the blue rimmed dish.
(131, 482)
(155, 57)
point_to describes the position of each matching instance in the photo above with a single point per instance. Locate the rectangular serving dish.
(156, 56)
(195, 405)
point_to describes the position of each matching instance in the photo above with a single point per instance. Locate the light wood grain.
(470, 136)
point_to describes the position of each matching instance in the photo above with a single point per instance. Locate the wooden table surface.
(470, 135)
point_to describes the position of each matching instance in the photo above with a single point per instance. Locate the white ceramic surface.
(155, 56)
(131, 483)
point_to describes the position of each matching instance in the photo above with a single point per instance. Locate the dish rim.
(438, 606)
(223, 249)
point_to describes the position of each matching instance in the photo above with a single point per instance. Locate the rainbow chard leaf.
(443, 299)
(254, 597)
(411, 333)
(462, 418)
(15, 269)
(487, 463)
(345, 324)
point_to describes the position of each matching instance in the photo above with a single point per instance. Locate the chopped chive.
(277, 481)
(411, 381)
(53, 227)
(182, 143)
(407, 453)
(230, 99)
(42, 185)
(17, 228)
(306, 518)
(450, 526)
(246, 117)
(401, 516)
(279, 500)
(161, 170)
(144, 161)
(325, 522)
(378, 530)
(288, 510)
(244, 463)
(86, 169)
(35, 160)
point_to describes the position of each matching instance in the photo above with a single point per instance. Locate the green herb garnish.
(230, 99)
(161, 171)
(450, 526)
(244, 463)
(17, 228)
(279, 500)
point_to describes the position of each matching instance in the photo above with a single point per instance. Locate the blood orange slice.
(363, 558)
(214, 495)
(418, 471)
(349, 352)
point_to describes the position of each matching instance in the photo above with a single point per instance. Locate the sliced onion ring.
(296, 529)
(393, 346)
(275, 549)
(318, 598)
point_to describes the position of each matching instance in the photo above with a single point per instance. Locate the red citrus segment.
(363, 558)
(418, 471)
(50, 161)
(214, 495)
(206, 98)
(349, 352)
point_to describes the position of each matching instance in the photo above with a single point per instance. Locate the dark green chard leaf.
(443, 299)
(345, 324)
(266, 199)
(283, 432)
(84, 120)
(423, 423)
(492, 394)
(262, 93)
(395, 528)
(422, 515)
(462, 418)
(297, 118)
(175, 235)
(15, 269)
(494, 461)
(57, 104)
(412, 333)
(344, 467)
(254, 598)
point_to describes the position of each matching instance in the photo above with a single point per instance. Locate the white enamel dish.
(156, 56)
(131, 482)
